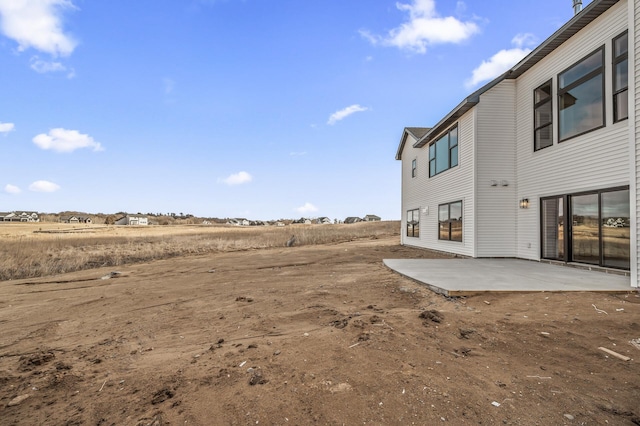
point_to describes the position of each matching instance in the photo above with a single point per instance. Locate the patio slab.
(458, 277)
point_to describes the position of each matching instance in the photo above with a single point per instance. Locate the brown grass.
(40, 249)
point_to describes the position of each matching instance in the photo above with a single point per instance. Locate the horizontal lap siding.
(411, 185)
(598, 159)
(451, 185)
(495, 149)
(635, 45)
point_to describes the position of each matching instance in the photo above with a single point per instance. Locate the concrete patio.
(459, 277)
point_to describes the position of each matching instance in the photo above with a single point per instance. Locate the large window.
(413, 223)
(620, 78)
(543, 129)
(581, 96)
(443, 153)
(592, 227)
(450, 221)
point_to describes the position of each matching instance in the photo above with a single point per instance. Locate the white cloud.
(298, 154)
(344, 113)
(63, 140)
(237, 178)
(11, 189)
(6, 127)
(43, 67)
(501, 61)
(424, 28)
(37, 24)
(43, 186)
(307, 208)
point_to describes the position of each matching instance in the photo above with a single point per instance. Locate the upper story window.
(581, 96)
(443, 153)
(413, 223)
(543, 121)
(414, 168)
(620, 77)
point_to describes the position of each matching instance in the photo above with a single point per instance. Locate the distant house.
(20, 216)
(323, 221)
(238, 222)
(352, 219)
(75, 219)
(302, 220)
(132, 219)
(372, 218)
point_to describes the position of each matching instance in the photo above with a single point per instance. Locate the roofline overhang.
(583, 18)
(406, 131)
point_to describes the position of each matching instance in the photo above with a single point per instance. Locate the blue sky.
(262, 109)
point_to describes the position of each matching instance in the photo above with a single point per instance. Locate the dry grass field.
(226, 326)
(41, 249)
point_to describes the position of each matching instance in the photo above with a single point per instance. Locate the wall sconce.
(524, 203)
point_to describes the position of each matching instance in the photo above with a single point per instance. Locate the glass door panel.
(553, 228)
(616, 237)
(585, 237)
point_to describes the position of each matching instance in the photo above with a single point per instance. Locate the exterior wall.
(425, 194)
(495, 158)
(634, 135)
(598, 159)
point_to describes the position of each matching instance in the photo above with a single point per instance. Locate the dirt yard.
(308, 335)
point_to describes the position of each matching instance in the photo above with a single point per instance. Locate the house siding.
(495, 178)
(595, 160)
(455, 184)
(634, 135)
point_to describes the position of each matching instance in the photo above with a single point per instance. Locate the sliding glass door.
(553, 228)
(588, 228)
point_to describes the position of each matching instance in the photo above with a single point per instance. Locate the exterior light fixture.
(524, 203)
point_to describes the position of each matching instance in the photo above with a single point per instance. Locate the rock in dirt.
(18, 399)
(341, 323)
(256, 378)
(431, 316)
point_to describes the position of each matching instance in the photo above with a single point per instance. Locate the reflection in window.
(413, 223)
(450, 221)
(580, 94)
(616, 231)
(620, 78)
(443, 153)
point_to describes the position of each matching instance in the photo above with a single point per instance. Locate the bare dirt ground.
(308, 335)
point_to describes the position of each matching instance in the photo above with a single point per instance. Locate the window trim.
(432, 161)
(537, 105)
(599, 71)
(615, 61)
(449, 221)
(411, 224)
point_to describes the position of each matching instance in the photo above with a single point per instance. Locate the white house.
(132, 219)
(543, 162)
(20, 216)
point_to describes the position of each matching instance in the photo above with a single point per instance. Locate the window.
(620, 78)
(450, 221)
(543, 130)
(581, 96)
(443, 153)
(413, 223)
(414, 168)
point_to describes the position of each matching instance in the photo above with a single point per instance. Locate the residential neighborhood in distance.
(140, 219)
